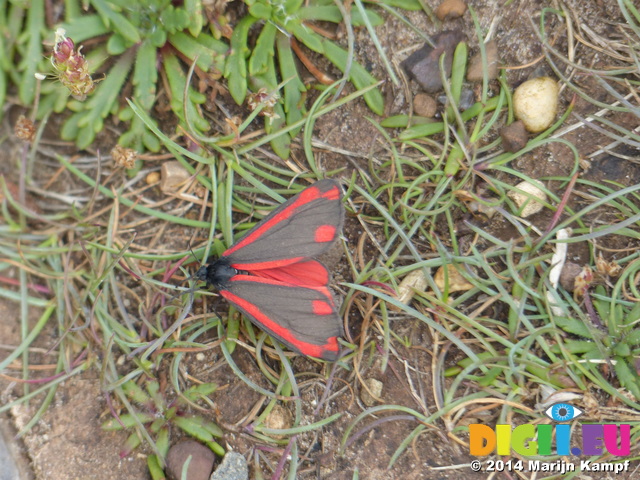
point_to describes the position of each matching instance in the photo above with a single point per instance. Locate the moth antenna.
(194, 255)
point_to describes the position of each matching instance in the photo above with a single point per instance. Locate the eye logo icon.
(562, 412)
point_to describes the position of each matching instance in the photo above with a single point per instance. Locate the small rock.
(450, 9)
(414, 281)
(476, 70)
(467, 99)
(451, 280)
(151, 178)
(527, 204)
(535, 102)
(376, 388)
(200, 466)
(568, 276)
(279, 419)
(424, 105)
(233, 467)
(423, 64)
(514, 136)
(172, 177)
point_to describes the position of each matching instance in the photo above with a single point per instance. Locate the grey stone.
(233, 467)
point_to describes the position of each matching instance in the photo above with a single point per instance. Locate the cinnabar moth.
(271, 277)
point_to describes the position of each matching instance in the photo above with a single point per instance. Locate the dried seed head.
(124, 157)
(25, 129)
(609, 269)
(262, 97)
(583, 281)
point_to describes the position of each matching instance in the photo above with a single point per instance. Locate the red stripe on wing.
(309, 273)
(307, 195)
(271, 264)
(320, 308)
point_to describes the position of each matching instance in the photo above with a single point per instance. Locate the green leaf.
(117, 44)
(158, 38)
(622, 349)
(118, 22)
(177, 83)
(84, 27)
(194, 427)
(31, 58)
(358, 75)
(145, 75)
(627, 376)
(573, 325)
(3, 89)
(292, 6)
(458, 70)
(331, 13)
(236, 67)
(193, 49)
(202, 390)
(306, 36)
(403, 121)
(263, 52)
(131, 444)
(260, 10)
(293, 88)
(174, 19)
(194, 13)
(212, 428)
(490, 377)
(419, 131)
(217, 46)
(128, 420)
(632, 337)
(268, 80)
(162, 441)
(155, 468)
(411, 5)
(634, 314)
(282, 143)
(575, 347)
(138, 136)
(135, 392)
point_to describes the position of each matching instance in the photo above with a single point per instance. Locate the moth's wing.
(303, 227)
(303, 318)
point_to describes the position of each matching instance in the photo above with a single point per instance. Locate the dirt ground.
(68, 442)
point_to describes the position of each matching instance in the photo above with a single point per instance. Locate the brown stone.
(424, 105)
(423, 65)
(514, 136)
(450, 9)
(475, 72)
(200, 466)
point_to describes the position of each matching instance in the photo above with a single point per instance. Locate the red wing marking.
(307, 195)
(309, 273)
(321, 307)
(325, 233)
(319, 315)
(271, 264)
